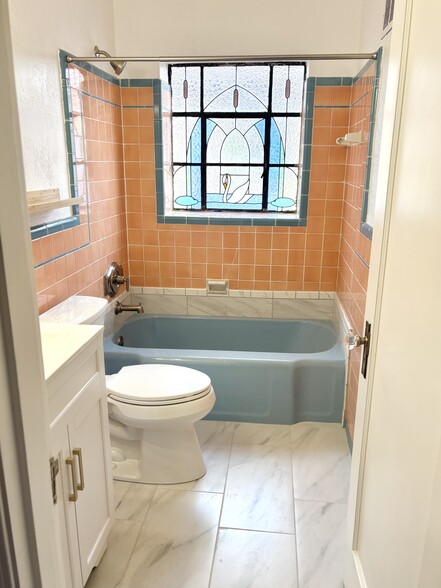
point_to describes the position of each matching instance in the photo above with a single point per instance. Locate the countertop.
(60, 342)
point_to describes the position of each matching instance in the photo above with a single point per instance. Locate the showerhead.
(118, 66)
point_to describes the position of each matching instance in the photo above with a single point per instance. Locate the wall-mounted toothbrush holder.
(113, 278)
(351, 139)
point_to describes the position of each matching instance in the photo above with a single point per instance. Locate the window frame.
(267, 117)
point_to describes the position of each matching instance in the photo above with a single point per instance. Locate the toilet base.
(161, 456)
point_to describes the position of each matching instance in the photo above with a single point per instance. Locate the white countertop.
(60, 342)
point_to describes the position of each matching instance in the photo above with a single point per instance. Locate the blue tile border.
(334, 81)
(50, 228)
(365, 228)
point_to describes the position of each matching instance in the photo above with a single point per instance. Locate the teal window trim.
(365, 228)
(50, 228)
(298, 219)
(265, 219)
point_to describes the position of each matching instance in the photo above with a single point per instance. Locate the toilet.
(152, 409)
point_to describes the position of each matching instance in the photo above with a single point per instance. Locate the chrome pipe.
(232, 58)
(128, 308)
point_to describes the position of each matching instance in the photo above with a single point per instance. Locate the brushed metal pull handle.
(77, 452)
(74, 496)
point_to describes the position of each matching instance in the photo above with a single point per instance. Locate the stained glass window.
(237, 136)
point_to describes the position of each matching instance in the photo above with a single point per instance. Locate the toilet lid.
(157, 384)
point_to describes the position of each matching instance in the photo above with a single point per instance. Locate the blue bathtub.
(262, 370)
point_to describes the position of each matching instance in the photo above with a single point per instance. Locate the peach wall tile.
(82, 270)
(277, 258)
(353, 272)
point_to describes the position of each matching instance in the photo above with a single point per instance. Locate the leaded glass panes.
(287, 94)
(219, 82)
(234, 140)
(187, 187)
(285, 140)
(186, 139)
(282, 189)
(186, 95)
(233, 186)
(236, 136)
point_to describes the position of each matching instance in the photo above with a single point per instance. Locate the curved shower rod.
(235, 58)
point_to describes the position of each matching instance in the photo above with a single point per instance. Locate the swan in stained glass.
(239, 194)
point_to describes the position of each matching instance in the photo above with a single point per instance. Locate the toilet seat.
(157, 385)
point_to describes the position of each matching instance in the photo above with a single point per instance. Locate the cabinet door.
(89, 442)
(66, 528)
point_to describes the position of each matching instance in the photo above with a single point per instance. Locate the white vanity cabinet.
(79, 439)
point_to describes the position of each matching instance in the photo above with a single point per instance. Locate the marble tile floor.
(270, 512)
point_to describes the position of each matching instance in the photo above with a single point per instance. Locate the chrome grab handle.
(74, 496)
(77, 452)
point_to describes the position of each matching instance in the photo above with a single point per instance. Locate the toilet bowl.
(152, 411)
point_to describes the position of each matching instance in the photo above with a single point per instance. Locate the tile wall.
(64, 266)
(355, 247)
(250, 257)
(329, 254)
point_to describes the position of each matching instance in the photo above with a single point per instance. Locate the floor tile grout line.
(256, 531)
(294, 513)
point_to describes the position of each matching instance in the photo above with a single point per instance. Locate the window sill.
(228, 219)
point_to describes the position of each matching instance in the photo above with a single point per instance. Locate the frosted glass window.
(187, 187)
(237, 136)
(186, 139)
(287, 95)
(186, 95)
(219, 82)
(285, 140)
(282, 189)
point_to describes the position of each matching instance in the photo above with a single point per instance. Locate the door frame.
(390, 135)
(23, 396)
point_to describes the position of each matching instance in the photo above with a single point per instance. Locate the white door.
(394, 510)
(23, 402)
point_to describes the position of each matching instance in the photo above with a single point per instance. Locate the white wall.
(39, 30)
(237, 27)
(24, 422)
(372, 29)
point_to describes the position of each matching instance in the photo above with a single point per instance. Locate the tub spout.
(129, 308)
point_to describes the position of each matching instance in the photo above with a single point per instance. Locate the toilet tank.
(77, 310)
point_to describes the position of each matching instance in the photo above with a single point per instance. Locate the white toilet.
(152, 409)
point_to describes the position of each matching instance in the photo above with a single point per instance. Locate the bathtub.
(262, 370)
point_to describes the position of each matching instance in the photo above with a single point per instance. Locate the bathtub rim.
(335, 352)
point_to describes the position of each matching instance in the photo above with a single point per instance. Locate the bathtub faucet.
(129, 308)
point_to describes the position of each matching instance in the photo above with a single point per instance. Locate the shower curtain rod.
(230, 58)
